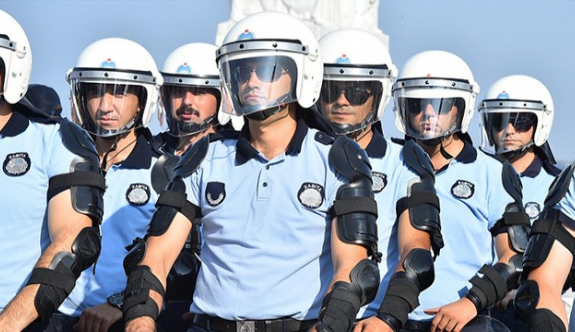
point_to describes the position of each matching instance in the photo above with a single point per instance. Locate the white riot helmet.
(357, 66)
(428, 87)
(191, 68)
(16, 55)
(110, 69)
(267, 46)
(519, 100)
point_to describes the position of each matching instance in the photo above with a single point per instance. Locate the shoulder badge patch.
(463, 189)
(379, 181)
(310, 195)
(138, 194)
(16, 164)
(532, 209)
(215, 193)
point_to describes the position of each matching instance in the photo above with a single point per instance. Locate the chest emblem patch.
(310, 195)
(215, 193)
(463, 189)
(138, 194)
(379, 181)
(16, 164)
(532, 209)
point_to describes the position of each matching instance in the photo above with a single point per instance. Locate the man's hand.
(452, 317)
(98, 318)
(372, 324)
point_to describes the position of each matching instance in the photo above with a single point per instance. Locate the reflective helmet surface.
(16, 55)
(281, 45)
(357, 65)
(520, 100)
(191, 67)
(115, 66)
(438, 81)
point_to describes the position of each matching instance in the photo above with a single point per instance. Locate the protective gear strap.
(62, 182)
(355, 206)
(537, 320)
(489, 288)
(137, 300)
(422, 200)
(178, 200)
(404, 288)
(192, 158)
(171, 201)
(58, 280)
(341, 305)
(163, 171)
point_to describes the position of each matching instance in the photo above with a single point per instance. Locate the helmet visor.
(109, 109)
(258, 84)
(350, 105)
(429, 118)
(189, 109)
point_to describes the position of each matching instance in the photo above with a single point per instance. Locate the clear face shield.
(508, 131)
(189, 109)
(110, 108)
(258, 84)
(350, 105)
(430, 118)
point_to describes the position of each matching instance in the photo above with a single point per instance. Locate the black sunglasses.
(522, 122)
(265, 73)
(355, 93)
(444, 105)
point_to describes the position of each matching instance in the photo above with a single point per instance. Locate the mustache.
(186, 109)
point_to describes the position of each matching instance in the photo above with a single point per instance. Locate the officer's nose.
(509, 129)
(341, 99)
(429, 111)
(106, 103)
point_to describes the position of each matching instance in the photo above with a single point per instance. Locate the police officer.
(358, 75)
(115, 91)
(516, 119)
(51, 195)
(45, 98)
(288, 212)
(192, 104)
(191, 97)
(480, 197)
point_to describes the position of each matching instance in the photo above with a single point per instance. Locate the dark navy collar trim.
(16, 125)
(245, 151)
(141, 156)
(468, 154)
(377, 147)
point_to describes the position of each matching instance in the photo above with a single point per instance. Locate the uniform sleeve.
(61, 158)
(498, 198)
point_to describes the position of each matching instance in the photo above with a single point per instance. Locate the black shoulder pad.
(417, 159)
(511, 182)
(163, 170)
(192, 158)
(324, 138)
(349, 159)
(78, 141)
(223, 135)
(550, 168)
(559, 187)
(399, 141)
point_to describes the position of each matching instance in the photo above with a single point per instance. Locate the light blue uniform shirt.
(536, 180)
(128, 207)
(31, 153)
(472, 200)
(567, 204)
(266, 228)
(391, 178)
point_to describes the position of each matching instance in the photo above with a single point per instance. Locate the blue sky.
(495, 37)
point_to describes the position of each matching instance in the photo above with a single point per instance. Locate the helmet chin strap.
(517, 152)
(275, 107)
(439, 141)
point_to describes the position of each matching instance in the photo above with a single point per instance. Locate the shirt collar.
(141, 156)
(533, 169)
(245, 151)
(377, 146)
(468, 154)
(16, 125)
